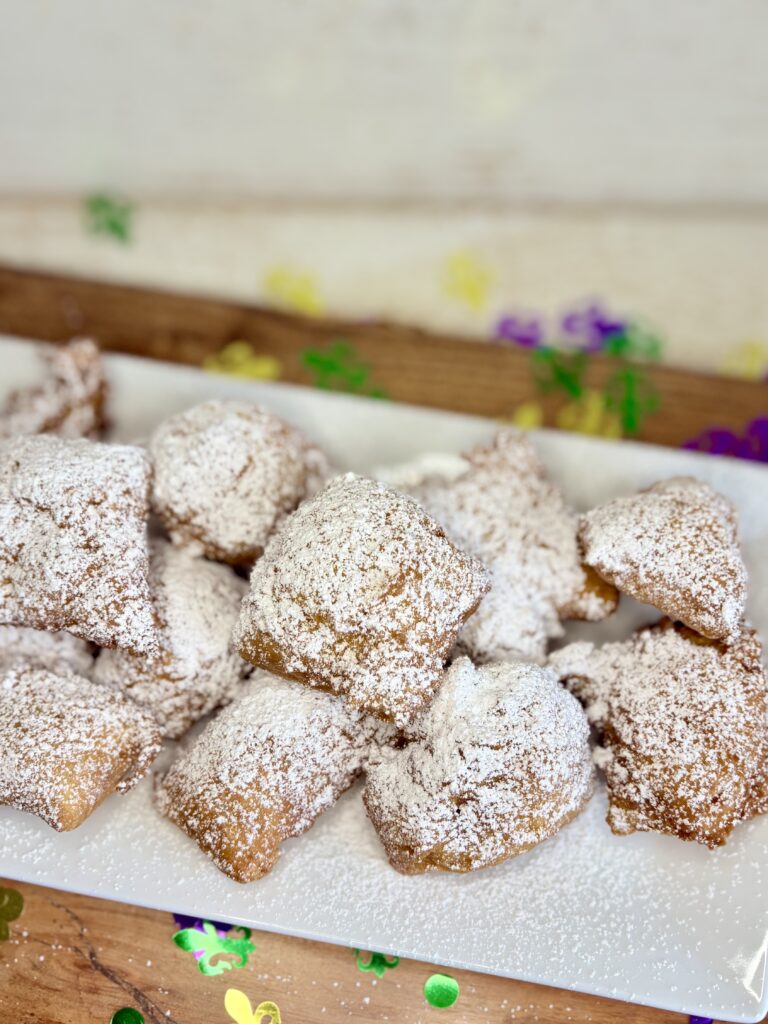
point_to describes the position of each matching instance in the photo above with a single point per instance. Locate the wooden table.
(71, 959)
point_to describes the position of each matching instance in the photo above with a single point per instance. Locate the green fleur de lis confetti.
(339, 368)
(557, 370)
(11, 906)
(633, 342)
(377, 962)
(211, 945)
(631, 394)
(106, 215)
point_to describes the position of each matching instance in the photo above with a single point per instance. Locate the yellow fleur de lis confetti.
(528, 416)
(467, 279)
(237, 359)
(293, 289)
(590, 415)
(750, 360)
(238, 1006)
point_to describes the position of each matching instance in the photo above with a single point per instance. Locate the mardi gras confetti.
(590, 415)
(700, 1020)
(106, 215)
(11, 906)
(378, 962)
(528, 416)
(467, 279)
(528, 332)
(126, 1016)
(294, 289)
(631, 394)
(555, 370)
(237, 359)
(338, 367)
(749, 360)
(209, 943)
(441, 990)
(750, 444)
(238, 1006)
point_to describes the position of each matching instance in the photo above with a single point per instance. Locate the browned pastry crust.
(360, 593)
(683, 727)
(498, 763)
(263, 771)
(67, 743)
(673, 546)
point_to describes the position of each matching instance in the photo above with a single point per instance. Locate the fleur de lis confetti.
(749, 359)
(107, 215)
(590, 415)
(11, 906)
(556, 370)
(238, 1006)
(528, 416)
(631, 394)
(591, 328)
(209, 943)
(293, 289)
(338, 367)
(467, 279)
(376, 962)
(238, 359)
(751, 443)
(520, 329)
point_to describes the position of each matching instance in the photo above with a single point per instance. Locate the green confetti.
(211, 945)
(441, 990)
(11, 906)
(106, 215)
(633, 342)
(339, 368)
(126, 1016)
(630, 393)
(556, 370)
(378, 963)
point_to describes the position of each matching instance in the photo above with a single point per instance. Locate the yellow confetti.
(590, 415)
(237, 359)
(749, 359)
(293, 289)
(467, 279)
(528, 416)
(238, 1006)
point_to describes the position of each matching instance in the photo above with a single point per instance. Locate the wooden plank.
(408, 363)
(73, 959)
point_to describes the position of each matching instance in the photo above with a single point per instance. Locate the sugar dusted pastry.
(499, 762)
(673, 546)
(73, 544)
(683, 725)
(66, 744)
(360, 593)
(262, 771)
(196, 603)
(22, 648)
(503, 509)
(226, 473)
(68, 402)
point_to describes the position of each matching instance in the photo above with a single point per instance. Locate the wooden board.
(72, 959)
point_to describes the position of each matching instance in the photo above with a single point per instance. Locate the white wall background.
(625, 101)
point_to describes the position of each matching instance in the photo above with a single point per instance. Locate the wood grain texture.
(72, 959)
(408, 363)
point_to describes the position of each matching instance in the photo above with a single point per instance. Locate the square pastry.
(362, 594)
(73, 540)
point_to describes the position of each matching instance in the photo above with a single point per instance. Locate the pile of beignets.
(335, 626)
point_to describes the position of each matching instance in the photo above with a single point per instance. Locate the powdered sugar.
(684, 726)
(503, 510)
(675, 547)
(498, 762)
(66, 743)
(264, 770)
(226, 473)
(360, 593)
(34, 648)
(69, 401)
(73, 545)
(196, 603)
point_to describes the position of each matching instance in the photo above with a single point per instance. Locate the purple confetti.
(592, 326)
(752, 444)
(222, 928)
(527, 332)
(700, 1020)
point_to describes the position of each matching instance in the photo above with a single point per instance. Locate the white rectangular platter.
(643, 918)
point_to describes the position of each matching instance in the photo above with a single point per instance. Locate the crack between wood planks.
(148, 1006)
